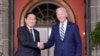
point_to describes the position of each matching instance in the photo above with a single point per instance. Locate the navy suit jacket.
(26, 45)
(70, 46)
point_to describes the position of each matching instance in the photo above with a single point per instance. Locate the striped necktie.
(62, 31)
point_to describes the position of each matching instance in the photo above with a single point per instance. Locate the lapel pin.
(68, 25)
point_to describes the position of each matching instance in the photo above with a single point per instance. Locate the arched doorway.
(46, 17)
(45, 12)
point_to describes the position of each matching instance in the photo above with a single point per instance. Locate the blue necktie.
(32, 34)
(62, 31)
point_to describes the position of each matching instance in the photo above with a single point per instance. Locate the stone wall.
(95, 12)
(95, 17)
(4, 27)
(4, 21)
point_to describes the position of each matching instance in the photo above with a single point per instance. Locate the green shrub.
(95, 35)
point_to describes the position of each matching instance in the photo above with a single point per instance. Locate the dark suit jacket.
(70, 46)
(26, 44)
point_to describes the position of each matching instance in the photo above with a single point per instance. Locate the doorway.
(45, 12)
(46, 17)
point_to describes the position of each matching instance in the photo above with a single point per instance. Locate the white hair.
(62, 8)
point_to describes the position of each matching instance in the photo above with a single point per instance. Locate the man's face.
(30, 20)
(61, 14)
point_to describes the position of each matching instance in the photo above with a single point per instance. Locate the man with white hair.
(65, 35)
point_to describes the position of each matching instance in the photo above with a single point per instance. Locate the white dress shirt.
(32, 32)
(64, 25)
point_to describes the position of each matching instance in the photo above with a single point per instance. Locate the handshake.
(40, 45)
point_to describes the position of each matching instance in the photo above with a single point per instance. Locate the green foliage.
(95, 35)
(0, 54)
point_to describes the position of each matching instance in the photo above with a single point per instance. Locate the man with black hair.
(28, 37)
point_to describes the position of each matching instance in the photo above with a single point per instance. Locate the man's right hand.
(40, 45)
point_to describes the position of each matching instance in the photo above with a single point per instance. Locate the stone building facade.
(4, 22)
(95, 17)
(94, 12)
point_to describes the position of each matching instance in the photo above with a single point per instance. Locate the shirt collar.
(65, 22)
(29, 27)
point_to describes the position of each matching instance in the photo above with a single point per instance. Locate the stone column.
(95, 17)
(4, 27)
(95, 12)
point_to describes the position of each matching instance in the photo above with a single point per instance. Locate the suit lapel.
(68, 27)
(58, 30)
(27, 30)
(67, 30)
(28, 33)
(35, 35)
(58, 34)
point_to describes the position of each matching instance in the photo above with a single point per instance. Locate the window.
(45, 14)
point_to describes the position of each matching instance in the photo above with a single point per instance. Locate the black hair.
(28, 14)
